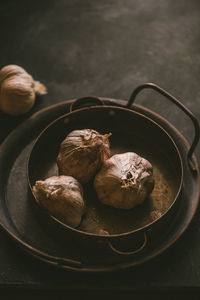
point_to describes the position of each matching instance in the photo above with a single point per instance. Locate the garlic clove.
(18, 90)
(16, 96)
(62, 197)
(82, 153)
(124, 181)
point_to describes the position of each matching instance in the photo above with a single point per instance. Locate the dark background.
(106, 48)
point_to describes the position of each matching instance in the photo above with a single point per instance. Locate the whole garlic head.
(62, 197)
(82, 153)
(124, 181)
(18, 90)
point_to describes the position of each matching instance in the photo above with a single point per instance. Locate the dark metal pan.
(131, 131)
(19, 220)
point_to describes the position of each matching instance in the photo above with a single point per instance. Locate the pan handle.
(59, 261)
(85, 102)
(181, 106)
(114, 249)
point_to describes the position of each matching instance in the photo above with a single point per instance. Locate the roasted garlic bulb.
(62, 197)
(82, 153)
(124, 181)
(18, 90)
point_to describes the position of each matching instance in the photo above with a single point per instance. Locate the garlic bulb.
(82, 153)
(62, 197)
(18, 90)
(124, 181)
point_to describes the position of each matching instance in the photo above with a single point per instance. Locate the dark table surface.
(105, 48)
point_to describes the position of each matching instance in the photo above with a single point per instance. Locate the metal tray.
(18, 219)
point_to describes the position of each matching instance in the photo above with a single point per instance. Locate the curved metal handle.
(59, 261)
(85, 101)
(182, 107)
(129, 252)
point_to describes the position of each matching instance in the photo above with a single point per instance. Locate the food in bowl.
(82, 152)
(124, 181)
(62, 197)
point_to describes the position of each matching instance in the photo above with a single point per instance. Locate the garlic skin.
(124, 181)
(18, 90)
(82, 153)
(62, 197)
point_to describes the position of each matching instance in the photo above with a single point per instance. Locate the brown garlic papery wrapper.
(82, 153)
(62, 197)
(124, 181)
(18, 90)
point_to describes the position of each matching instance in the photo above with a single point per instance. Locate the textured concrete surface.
(107, 48)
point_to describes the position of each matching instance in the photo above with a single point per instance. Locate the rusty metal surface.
(180, 105)
(20, 223)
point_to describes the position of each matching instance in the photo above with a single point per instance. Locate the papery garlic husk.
(18, 90)
(82, 153)
(62, 197)
(124, 181)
